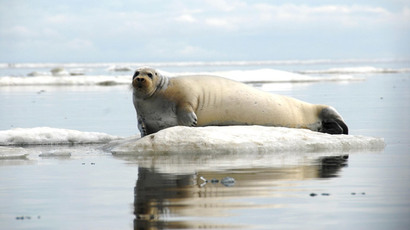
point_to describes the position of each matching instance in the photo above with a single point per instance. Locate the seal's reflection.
(184, 201)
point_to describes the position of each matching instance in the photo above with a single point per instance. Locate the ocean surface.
(56, 171)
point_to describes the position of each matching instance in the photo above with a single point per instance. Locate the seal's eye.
(135, 74)
(150, 75)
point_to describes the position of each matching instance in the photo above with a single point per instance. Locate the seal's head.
(145, 82)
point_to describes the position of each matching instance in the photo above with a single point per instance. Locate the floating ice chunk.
(49, 136)
(120, 68)
(244, 139)
(59, 71)
(63, 153)
(38, 74)
(77, 73)
(12, 153)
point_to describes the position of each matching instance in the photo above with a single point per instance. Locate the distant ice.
(59, 71)
(356, 70)
(120, 68)
(61, 77)
(65, 80)
(51, 136)
(247, 139)
(201, 63)
(38, 74)
(271, 76)
(60, 153)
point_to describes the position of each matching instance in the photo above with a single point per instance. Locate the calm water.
(94, 190)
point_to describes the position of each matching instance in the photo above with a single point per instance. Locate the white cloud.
(188, 29)
(225, 6)
(304, 14)
(224, 23)
(239, 16)
(186, 18)
(403, 18)
(20, 31)
(57, 18)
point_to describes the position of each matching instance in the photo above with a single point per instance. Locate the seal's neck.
(162, 84)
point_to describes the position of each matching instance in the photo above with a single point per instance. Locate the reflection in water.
(186, 201)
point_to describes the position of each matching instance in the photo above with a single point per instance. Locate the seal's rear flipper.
(344, 126)
(332, 122)
(334, 127)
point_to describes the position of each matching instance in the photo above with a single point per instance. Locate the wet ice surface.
(83, 186)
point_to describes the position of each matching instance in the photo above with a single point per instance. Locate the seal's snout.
(138, 82)
(139, 79)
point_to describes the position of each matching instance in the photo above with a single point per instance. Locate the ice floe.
(51, 136)
(248, 139)
(7, 153)
(188, 150)
(228, 146)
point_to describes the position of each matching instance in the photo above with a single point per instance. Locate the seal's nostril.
(140, 79)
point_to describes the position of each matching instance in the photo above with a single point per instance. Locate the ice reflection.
(173, 199)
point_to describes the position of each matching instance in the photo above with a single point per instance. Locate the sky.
(207, 30)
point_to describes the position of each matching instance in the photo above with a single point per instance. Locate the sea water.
(72, 181)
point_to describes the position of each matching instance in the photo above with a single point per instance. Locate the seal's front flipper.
(186, 117)
(142, 127)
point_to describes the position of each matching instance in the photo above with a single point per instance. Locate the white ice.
(65, 80)
(12, 153)
(248, 139)
(270, 76)
(246, 76)
(187, 148)
(356, 70)
(51, 136)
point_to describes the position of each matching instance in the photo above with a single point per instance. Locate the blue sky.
(208, 30)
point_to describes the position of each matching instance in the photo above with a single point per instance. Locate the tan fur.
(221, 101)
(210, 100)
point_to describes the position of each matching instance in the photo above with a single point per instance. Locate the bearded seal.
(163, 102)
